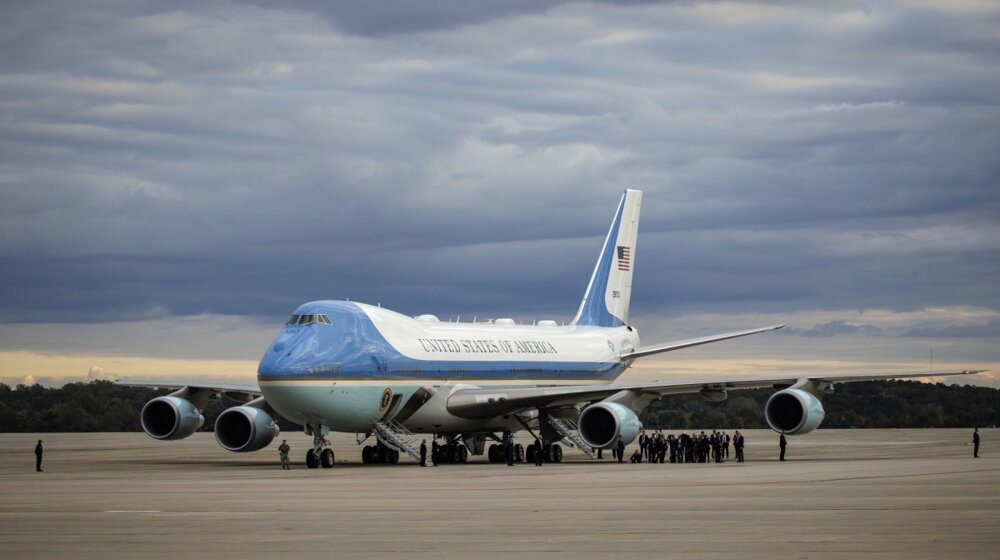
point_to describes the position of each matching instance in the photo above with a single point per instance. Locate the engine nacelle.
(600, 424)
(793, 411)
(245, 428)
(170, 418)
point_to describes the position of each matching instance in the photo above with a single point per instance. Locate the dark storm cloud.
(835, 328)
(241, 159)
(378, 19)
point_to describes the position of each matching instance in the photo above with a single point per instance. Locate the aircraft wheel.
(392, 457)
(531, 453)
(556, 453)
(311, 461)
(326, 458)
(461, 454)
(492, 453)
(518, 453)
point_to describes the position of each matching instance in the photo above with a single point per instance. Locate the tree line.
(101, 406)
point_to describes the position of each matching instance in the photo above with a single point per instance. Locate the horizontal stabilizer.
(649, 350)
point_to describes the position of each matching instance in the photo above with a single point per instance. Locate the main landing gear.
(550, 453)
(496, 453)
(453, 451)
(379, 454)
(320, 455)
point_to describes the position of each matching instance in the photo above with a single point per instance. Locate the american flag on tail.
(624, 256)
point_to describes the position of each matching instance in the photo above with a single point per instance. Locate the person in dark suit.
(975, 443)
(423, 453)
(621, 449)
(738, 446)
(38, 456)
(782, 443)
(539, 451)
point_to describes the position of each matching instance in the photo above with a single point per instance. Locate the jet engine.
(245, 428)
(793, 411)
(170, 418)
(600, 424)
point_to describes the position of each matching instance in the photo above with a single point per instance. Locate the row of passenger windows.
(308, 320)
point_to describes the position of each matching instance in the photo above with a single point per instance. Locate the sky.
(176, 178)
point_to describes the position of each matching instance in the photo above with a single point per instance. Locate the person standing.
(782, 443)
(38, 456)
(725, 444)
(621, 449)
(738, 446)
(423, 453)
(283, 451)
(643, 440)
(975, 443)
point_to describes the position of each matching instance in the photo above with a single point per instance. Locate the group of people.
(653, 448)
(685, 448)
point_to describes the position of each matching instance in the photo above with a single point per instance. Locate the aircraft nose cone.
(276, 360)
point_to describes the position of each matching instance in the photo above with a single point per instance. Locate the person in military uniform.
(423, 453)
(782, 443)
(38, 455)
(283, 451)
(975, 443)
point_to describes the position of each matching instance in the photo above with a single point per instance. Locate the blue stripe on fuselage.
(352, 347)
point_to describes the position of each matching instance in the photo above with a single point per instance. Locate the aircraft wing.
(243, 392)
(648, 350)
(492, 401)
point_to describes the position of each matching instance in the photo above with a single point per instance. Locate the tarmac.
(841, 494)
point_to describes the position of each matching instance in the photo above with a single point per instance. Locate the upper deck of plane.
(326, 336)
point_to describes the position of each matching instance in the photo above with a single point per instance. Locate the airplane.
(350, 367)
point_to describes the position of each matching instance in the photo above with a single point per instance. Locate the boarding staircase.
(569, 430)
(393, 435)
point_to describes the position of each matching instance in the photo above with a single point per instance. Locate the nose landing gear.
(320, 455)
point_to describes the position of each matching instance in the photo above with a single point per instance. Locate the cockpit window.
(309, 320)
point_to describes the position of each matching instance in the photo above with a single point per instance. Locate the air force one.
(349, 367)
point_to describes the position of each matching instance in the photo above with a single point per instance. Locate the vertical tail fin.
(605, 304)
